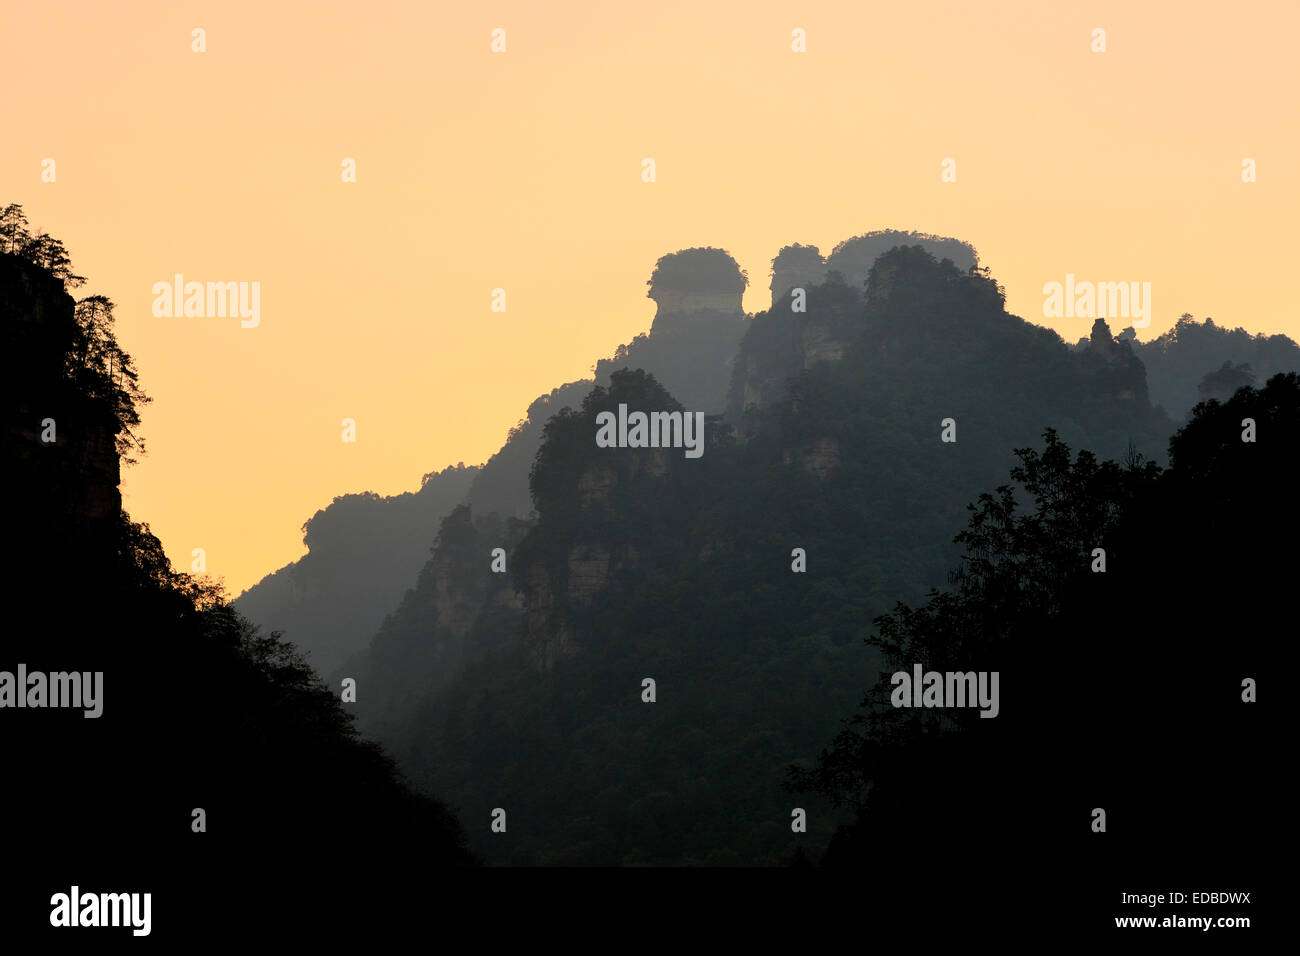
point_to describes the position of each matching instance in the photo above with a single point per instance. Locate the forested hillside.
(643, 563)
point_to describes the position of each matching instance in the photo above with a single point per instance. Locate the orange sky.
(522, 170)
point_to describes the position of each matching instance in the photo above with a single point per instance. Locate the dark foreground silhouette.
(1121, 690)
(197, 710)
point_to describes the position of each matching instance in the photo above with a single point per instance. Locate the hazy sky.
(522, 170)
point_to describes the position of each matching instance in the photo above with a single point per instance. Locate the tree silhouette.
(1122, 689)
(13, 228)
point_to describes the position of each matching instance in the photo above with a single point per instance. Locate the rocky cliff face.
(466, 588)
(703, 279)
(699, 318)
(554, 590)
(460, 610)
(821, 341)
(673, 302)
(548, 607)
(783, 342)
(601, 510)
(548, 636)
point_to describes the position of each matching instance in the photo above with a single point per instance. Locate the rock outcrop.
(365, 551)
(696, 281)
(796, 267)
(1122, 373)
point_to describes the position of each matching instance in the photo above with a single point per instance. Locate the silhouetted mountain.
(361, 552)
(1178, 361)
(196, 708)
(644, 563)
(331, 602)
(520, 687)
(365, 552)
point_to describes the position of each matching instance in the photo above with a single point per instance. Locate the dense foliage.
(1123, 686)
